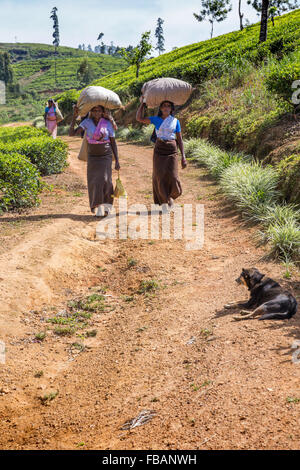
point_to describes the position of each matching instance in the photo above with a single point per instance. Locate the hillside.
(38, 74)
(26, 51)
(213, 57)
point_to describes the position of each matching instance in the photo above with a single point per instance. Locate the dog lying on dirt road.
(267, 297)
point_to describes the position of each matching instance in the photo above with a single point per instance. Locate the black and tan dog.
(267, 298)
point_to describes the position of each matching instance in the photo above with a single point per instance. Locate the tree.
(159, 34)
(6, 72)
(85, 73)
(90, 48)
(80, 47)
(55, 35)
(269, 9)
(138, 54)
(214, 10)
(102, 48)
(282, 6)
(241, 15)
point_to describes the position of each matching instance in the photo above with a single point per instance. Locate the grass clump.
(91, 333)
(67, 331)
(40, 336)
(148, 285)
(48, 397)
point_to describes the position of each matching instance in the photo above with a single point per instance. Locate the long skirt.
(165, 180)
(99, 175)
(52, 127)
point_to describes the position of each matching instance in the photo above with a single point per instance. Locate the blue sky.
(121, 21)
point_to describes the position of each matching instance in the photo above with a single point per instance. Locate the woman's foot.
(170, 203)
(100, 212)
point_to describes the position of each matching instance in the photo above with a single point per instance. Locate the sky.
(121, 21)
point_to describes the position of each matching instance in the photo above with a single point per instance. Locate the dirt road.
(212, 382)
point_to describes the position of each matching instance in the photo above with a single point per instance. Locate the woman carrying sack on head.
(99, 132)
(166, 185)
(51, 118)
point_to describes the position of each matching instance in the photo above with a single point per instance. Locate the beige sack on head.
(97, 96)
(166, 89)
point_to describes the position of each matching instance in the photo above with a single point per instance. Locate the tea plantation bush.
(11, 134)
(47, 154)
(282, 74)
(20, 182)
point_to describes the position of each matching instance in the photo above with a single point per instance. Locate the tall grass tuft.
(284, 239)
(250, 186)
(254, 191)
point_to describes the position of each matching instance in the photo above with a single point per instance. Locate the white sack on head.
(97, 96)
(166, 89)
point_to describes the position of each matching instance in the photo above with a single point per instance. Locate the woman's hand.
(117, 165)
(183, 162)
(75, 111)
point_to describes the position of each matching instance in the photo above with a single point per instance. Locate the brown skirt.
(165, 180)
(99, 174)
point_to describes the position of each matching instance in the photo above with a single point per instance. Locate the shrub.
(49, 155)
(289, 177)
(20, 182)
(66, 101)
(11, 134)
(282, 74)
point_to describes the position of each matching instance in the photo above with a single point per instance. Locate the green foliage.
(47, 154)
(39, 74)
(214, 11)
(254, 191)
(67, 100)
(205, 60)
(6, 72)
(138, 54)
(140, 135)
(19, 182)
(282, 74)
(289, 177)
(235, 109)
(85, 72)
(215, 159)
(249, 186)
(11, 134)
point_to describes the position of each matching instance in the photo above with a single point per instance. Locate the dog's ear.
(243, 270)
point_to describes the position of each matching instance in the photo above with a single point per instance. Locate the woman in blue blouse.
(166, 185)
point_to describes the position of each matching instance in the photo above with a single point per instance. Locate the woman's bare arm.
(75, 132)
(181, 147)
(115, 152)
(140, 114)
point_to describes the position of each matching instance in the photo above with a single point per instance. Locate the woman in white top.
(166, 185)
